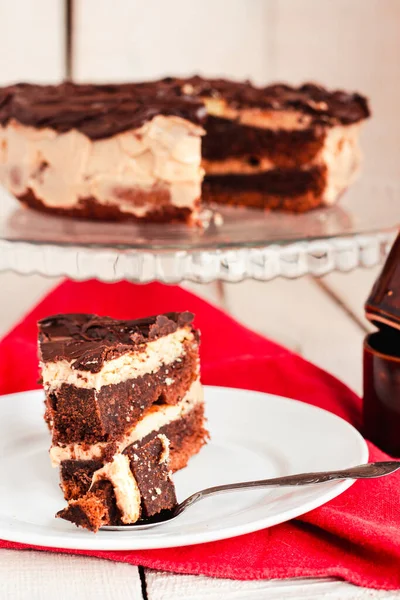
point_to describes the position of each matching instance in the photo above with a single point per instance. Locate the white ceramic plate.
(253, 436)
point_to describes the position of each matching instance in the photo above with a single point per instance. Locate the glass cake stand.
(237, 244)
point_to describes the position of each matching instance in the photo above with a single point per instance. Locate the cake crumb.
(188, 89)
(218, 219)
(165, 452)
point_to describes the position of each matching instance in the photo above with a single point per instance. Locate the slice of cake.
(134, 151)
(118, 390)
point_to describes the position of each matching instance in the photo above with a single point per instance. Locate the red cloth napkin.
(355, 536)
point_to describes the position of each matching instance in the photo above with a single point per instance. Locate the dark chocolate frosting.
(100, 111)
(89, 340)
(325, 106)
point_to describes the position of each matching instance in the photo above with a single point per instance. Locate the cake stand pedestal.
(245, 243)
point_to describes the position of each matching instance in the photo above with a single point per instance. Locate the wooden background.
(354, 44)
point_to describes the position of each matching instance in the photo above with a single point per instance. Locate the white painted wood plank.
(28, 575)
(19, 293)
(352, 289)
(128, 39)
(32, 41)
(210, 292)
(300, 315)
(353, 45)
(167, 586)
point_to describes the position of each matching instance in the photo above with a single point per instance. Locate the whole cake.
(125, 407)
(140, 151)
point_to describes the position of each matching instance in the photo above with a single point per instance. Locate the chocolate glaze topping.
(89, 341)
(100, 111)
(324, 105)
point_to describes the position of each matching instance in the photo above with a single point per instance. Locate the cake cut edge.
(183, 424)
(135, 485)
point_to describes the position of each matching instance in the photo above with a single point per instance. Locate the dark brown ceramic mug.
(383, 305)
(381, 402)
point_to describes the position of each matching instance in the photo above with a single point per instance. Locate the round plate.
(248, 243)
(253, 436)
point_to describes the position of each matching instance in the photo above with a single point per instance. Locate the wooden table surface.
(322, 320)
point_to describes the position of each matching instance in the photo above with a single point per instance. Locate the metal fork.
(371, 470)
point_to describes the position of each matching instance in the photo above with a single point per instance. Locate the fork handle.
(378, 469)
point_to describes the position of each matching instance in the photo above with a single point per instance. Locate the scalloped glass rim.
(249, 244)
(368, 207)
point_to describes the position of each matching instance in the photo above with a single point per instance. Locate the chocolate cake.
(133, 485)
(118, 390)
(133, 151)
(276, 147)
(182, 424)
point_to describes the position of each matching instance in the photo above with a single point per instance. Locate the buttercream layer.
(90, 416)
(125, 487)
(187, 434)
(155, 418)
(138, 171)
(142, 361)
